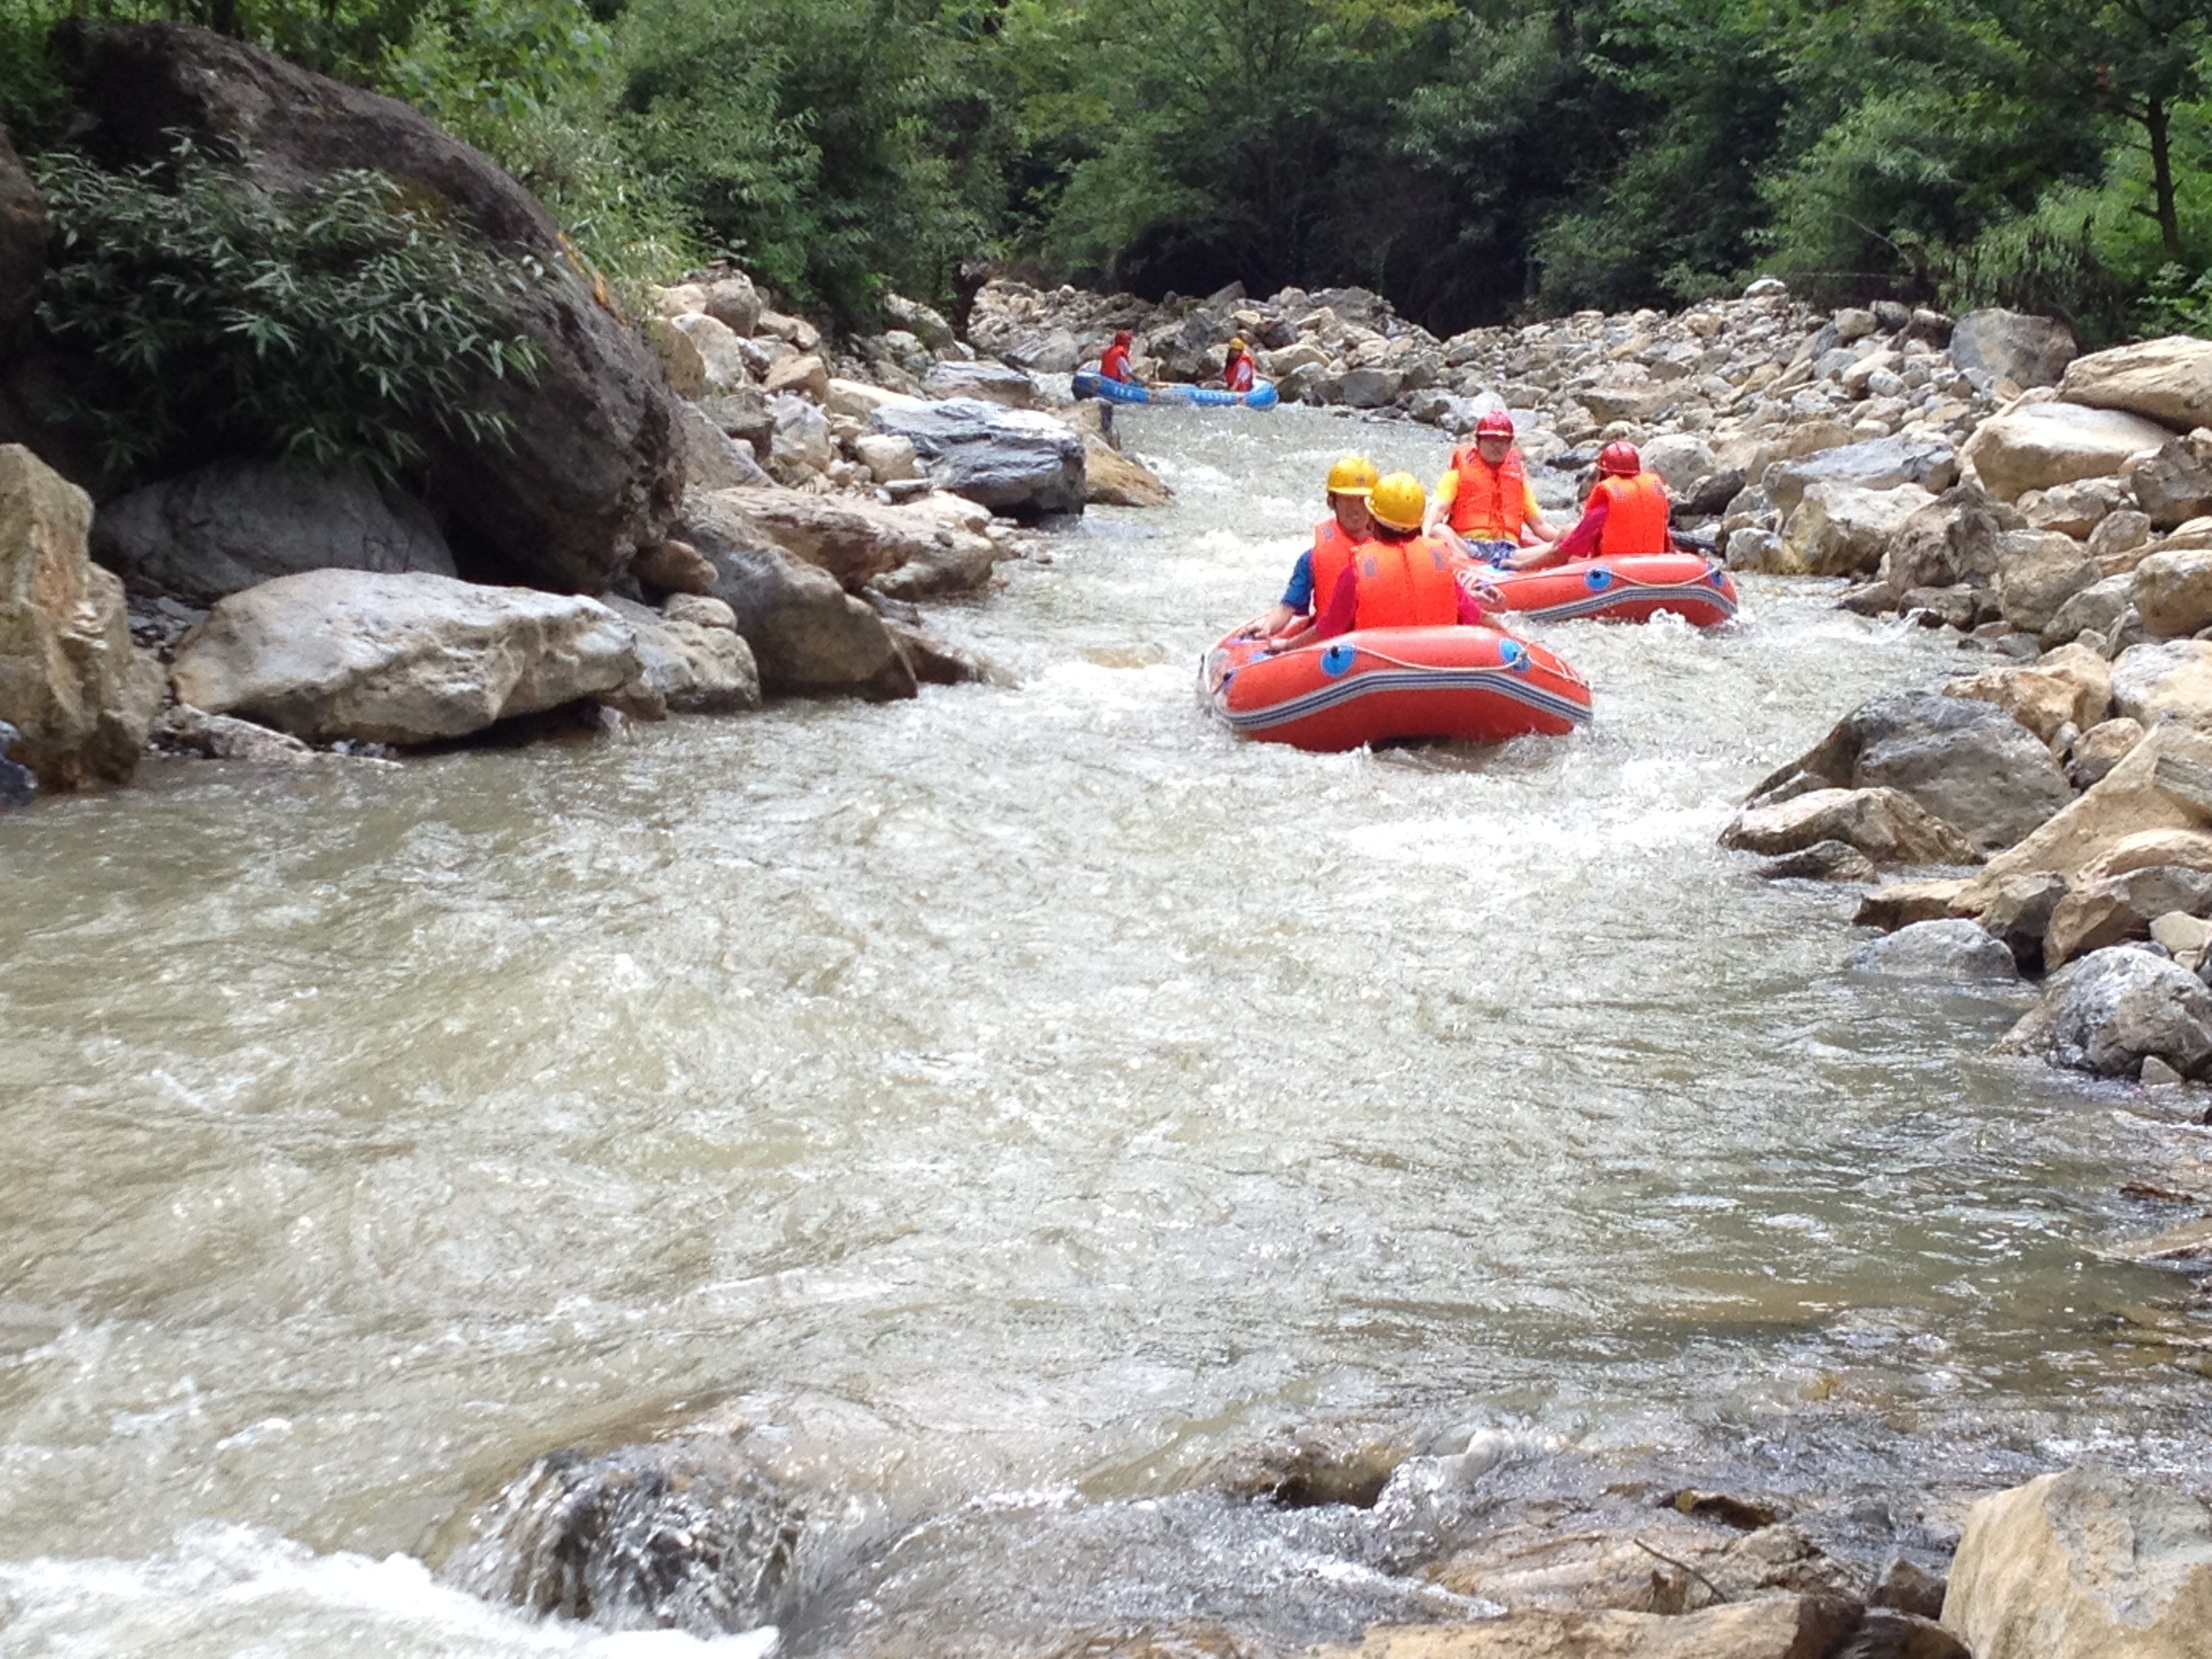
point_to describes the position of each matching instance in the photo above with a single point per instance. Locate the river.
(1021, 1099)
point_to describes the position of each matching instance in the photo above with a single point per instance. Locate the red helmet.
(1496, 424)
(1122, 337)
(1620, 461)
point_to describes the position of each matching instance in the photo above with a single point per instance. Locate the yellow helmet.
(1399, 501)
(1352, 475)
(1237, 345)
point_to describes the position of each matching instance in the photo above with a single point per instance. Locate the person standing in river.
(1484, 502)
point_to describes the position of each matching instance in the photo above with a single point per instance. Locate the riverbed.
(1026, 1096)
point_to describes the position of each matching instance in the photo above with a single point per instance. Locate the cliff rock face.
(595, 469)
(22, 240)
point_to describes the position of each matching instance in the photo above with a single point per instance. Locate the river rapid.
(1013, 1103)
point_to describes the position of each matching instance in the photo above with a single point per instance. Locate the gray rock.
(2010, 345)
(1369, 388)
(992, 383)
(743, 414)
(1883, 463)
(1016, 461)
(2038, 571)
(801, 446)
(236, 523)
(2110, 1009)
(926, 324)
(2096, 607)
(400, 658)
(590, 470)
(714, 460)
(1952, 949)
(1824, 860)
(684, 668)
(2174, 485)
(183, 730)
(1952, 538)
(17, 786)
(1751, 549)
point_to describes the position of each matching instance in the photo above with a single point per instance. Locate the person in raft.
(1626, 513)
(1401, 578)
(1351, 483)
(1484, 501)
(1238, 373)
(1114, 362)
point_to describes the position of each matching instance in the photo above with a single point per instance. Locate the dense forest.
(1473, 159)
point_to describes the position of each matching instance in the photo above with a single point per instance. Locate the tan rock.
(2185, 935)
(699, 611)
(1113, 479)
(721, 352)
(2084, 1565)
(71, 682)
(2173, 591)
(854, 540)
(2148, 850)
(2168, 380)
(2036, 445)
(1772, 1627)
(1886, 824)
(855, 397)
(2038, 571)
(2172, 678)
(2101, 748)
(1896, 904)
(805, 374)
(2128, 801)
(2070, 685)
(674, 566)
(679, 358)
(1842, 529)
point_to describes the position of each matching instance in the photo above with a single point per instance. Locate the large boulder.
(808, 635)
(2036, 446)
(1842, 529)
(2172, 591)
(592, 470)
(237, 523)
(685, 667)
(1965, 761)
(22, 240)
(2168, 379)
(1939, 545)
(1765, 1627)
(1113, 479)
(397, 658)
(2111, 909)
(2112, 1010)
(1017, 461)
(1679, 458)
(855, 540)
(2171, 679)
(1883, 463)
(2070, 686)
(80, 696)
(989, 382)
(1889, 827)
(2011, 345)
(2172, 484)
(2084, 1565)
(2038, 571)
(1949, 948)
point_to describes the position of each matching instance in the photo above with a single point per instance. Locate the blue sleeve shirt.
(1298, 596)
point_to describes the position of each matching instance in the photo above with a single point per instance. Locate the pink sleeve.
(1581, 542)
(1343, 606)
(1471, 613)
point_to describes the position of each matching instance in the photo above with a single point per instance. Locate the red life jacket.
(1490, 503)
(1635, 515)
(1113, 363)
(1405, 585)
(1237, 374)
(1331, 555)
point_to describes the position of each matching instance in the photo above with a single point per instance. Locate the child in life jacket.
(1400, 579)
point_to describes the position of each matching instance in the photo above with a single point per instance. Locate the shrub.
(329, 328)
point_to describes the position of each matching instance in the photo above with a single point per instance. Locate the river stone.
(1949, 948)
(18, 788)
(1113, 479)
(80, 696)
(2097, 609)
(2171, 679)
(2111, 909)
(1886, 825)
(684, 668)
(182, 729)
(801, 445)
(2038, 571)
(1884, 464)
(1824, 860)
(806, 375)
(1770, 1627)
(1841, 529)
(1952, 538)
(2100, 749)
(2105, 1013)
(724, 363)
(743, 415)
(714, 460)
(2036, 446)
(988, 382)
(1017, 461)
(2084, 1565)
(384, 658)
(854, 539)
(2011, 345)
(590, 470)
(2167, 380)
(2172, 591)
(237, 523)
(2071, 685)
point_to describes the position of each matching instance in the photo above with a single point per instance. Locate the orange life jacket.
(1490, 503)
(1236, 373)
(1331, 555)
(1114, 363)
(1635, 515)
(1405, 585)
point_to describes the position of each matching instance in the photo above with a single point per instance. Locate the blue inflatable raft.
(1089, 383)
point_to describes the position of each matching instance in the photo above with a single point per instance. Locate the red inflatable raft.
(1632, 588)
(1473, 684)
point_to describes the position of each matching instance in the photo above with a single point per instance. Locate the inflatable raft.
(1089, 383)
(1472, 685)
(1634, 588)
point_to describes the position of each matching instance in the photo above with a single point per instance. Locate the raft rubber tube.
(1630, 588)
(1466, 684)
(1089, 383)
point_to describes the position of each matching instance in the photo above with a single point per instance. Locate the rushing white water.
(1050, 1087)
